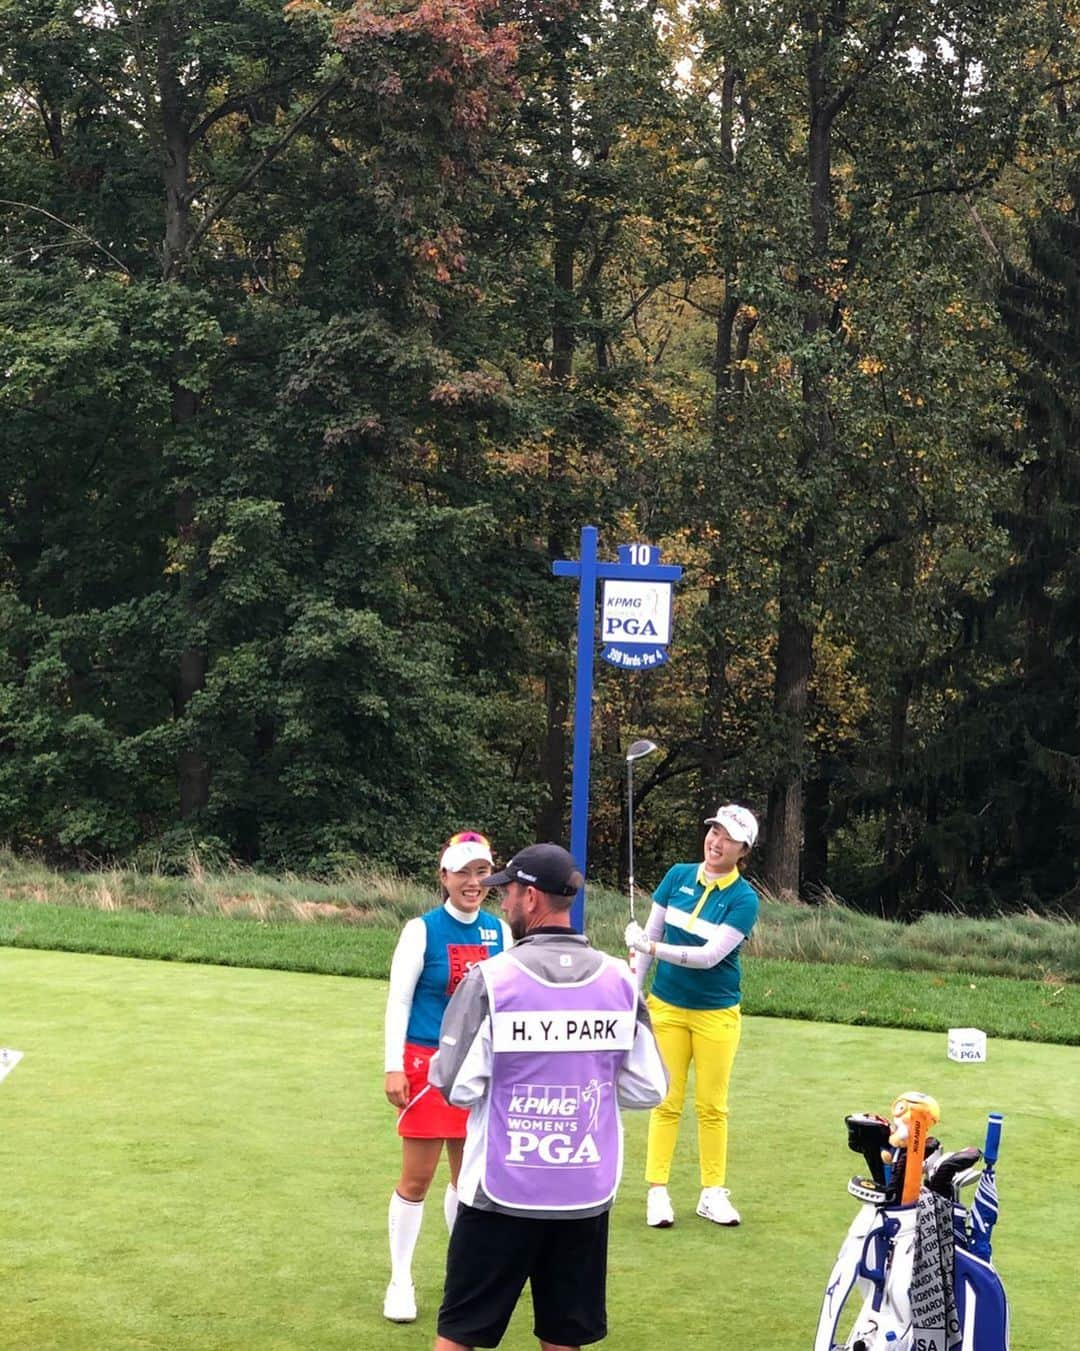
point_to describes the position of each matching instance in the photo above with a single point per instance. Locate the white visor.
(458, 856)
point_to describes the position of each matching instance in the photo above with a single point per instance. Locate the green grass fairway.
(199, 1158)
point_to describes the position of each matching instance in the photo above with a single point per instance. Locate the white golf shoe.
(713, 1204)
(399, 1306)
(659, 1213)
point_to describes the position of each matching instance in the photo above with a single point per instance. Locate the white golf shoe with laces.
(399, 1306)
(659, 1213)
(713, 1204)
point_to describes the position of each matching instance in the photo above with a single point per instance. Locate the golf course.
(199, 1157)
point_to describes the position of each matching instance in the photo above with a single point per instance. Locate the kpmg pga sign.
(635, 615)
(636, 629)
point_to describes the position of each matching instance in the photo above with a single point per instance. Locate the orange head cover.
(912, 1116)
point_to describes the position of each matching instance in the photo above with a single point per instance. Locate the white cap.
(458, 856)
(739, 823)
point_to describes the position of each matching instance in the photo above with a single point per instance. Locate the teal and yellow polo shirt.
(695, 908)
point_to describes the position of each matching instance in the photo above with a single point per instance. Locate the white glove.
(636, 939)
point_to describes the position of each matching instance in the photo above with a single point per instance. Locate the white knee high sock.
(450, 1205)
(405, 1220)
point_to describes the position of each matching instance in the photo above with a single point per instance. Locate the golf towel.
(935, 1323)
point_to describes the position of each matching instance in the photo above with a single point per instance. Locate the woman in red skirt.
(432, 955)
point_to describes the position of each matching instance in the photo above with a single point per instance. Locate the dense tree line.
(325, 326)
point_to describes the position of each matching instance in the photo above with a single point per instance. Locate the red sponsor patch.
(462, 958)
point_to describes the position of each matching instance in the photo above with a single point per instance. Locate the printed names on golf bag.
(934, 1322)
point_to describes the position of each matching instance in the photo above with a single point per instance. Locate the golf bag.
(921, 1272)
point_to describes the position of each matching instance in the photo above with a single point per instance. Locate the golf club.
(949, 1172)
(636, 751)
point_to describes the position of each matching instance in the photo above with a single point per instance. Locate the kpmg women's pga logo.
(635, 616)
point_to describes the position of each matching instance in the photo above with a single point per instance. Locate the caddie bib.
(554, 1137)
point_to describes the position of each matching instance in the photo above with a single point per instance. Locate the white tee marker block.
(967, 1044)
(8, 1060)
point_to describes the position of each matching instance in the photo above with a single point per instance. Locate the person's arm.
(699, 958)
(643, 1079)
(654, 928)
(722, 938)
(654, 925)
(405, 969)
(461, 1067)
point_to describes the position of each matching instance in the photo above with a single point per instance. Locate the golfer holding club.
(433, 954)
(701, 913)
(544, 1043)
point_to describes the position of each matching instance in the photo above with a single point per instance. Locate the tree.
(998, 769)
(241, 370)
(833, 143)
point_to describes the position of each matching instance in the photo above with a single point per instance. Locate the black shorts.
(490, 1258)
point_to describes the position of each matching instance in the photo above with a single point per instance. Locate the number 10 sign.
(635, 615)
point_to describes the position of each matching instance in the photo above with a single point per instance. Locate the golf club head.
(867, 1189)
(947, 1173)
(637, 749)
(868, 1135)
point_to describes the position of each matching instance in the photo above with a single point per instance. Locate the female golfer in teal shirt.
(701, 914)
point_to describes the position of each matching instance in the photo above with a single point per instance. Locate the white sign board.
(8, 1060)
(636, 612)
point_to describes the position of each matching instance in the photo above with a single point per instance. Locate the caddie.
(543, 1043)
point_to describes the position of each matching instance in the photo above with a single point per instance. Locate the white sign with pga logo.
(636, 612)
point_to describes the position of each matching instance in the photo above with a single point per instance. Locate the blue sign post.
(633, 625)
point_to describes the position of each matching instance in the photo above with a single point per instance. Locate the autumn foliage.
(455, 55)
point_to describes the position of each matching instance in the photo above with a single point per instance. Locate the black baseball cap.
(548, 867)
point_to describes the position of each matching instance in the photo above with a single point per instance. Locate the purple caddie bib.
(554, 1137)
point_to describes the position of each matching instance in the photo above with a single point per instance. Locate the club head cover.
(943, 1171)
(868, 1135)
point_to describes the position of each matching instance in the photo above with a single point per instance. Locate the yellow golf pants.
(709, 1038)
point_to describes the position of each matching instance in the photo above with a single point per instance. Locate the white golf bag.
(912, 1284)
(876, 1240)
